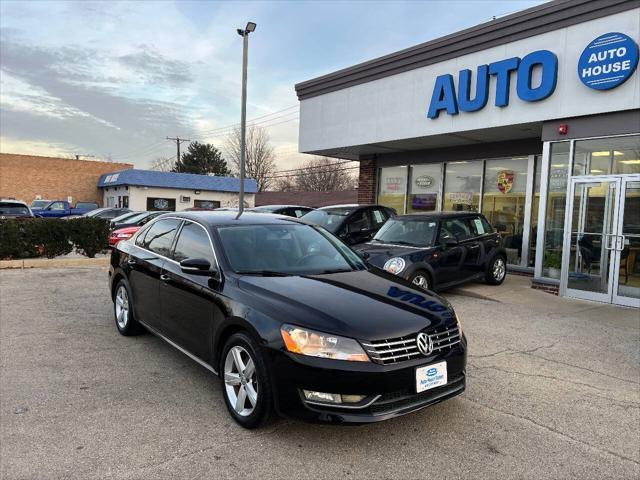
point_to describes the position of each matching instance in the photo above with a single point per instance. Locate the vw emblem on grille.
(425, 344)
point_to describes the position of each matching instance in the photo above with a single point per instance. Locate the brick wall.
(367, 182)
(25, 176)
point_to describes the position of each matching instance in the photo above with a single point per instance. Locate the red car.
(121, 234)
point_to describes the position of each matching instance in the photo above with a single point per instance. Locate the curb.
(53, 263)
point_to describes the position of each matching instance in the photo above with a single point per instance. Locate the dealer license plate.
(431, 376)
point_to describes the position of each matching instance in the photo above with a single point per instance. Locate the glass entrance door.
(626, 286)
(602, 240)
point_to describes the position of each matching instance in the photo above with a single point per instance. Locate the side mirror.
(196, 266)
(450, 242)
(363, 255)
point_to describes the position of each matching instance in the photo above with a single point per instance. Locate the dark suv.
(353, 224)
(439, 250)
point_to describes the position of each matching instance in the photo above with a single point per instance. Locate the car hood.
(367, 304)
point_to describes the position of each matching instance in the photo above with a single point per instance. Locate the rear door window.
(359, 222)
(159, 237)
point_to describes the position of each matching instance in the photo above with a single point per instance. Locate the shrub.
(50, 236)
(89, 235)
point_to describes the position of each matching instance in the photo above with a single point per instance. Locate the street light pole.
(243, 118)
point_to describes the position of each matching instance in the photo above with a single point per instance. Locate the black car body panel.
(461, 261)
(196, 313)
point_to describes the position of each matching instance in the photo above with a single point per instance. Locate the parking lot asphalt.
(553, 392)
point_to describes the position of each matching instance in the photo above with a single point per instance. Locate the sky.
(111, 79)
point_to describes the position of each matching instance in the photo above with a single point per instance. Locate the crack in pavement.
(562, 380)
(552, 430)
(510, 351)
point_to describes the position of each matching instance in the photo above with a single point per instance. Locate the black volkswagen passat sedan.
(351, 223)
(438, 250)
(289, 317)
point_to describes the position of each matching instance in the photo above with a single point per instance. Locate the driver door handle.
(165, 278)
(131, 261)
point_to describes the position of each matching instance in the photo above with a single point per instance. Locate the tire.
(123, 311)
(421, 279)
(235, 379)
(496, 271)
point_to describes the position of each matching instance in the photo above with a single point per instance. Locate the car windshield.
(285, 249)
(329, 219)
(9, 208)
(408, 231)
(40, 203)
(125, 216)
(129, 218)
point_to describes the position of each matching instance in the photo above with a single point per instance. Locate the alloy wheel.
(421, 281)
(241, 383)
(122, 307)
(499, 269)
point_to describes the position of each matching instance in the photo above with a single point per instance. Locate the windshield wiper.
(264, 273)
(402, 242)
(337, 270)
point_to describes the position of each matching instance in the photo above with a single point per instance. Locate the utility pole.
(178, 141)
(243, 117)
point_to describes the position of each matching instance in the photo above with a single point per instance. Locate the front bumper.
(390, 389)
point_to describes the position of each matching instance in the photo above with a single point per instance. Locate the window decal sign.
(505, 180)
(608, 61)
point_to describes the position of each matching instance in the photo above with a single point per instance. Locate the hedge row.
(50, 237)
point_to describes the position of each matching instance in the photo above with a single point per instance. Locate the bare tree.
(284, 184)
(321, 174)
(259, 160)
(163, 164)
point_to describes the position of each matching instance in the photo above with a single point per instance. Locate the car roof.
(228, 218)
(11, 200)
(351, 205)
(436, 215)
(281, 206)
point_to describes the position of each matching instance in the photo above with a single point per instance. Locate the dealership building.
(153, 190)
(532, 119)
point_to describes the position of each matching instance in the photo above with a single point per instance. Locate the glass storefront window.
(504, 201)
(462, 186)
(392, 188)
(602, 156)
(555, 209)
(424, 189)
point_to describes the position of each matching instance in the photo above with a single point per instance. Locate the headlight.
(317, 344)
(394, 265)
(459, 325)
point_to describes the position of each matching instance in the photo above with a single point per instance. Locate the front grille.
(394, 401)
(400, 349)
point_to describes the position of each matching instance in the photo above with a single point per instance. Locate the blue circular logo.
(608, 61)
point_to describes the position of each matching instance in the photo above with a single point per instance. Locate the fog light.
(334, 398)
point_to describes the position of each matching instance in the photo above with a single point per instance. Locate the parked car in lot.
(120, 234)
(438, 250)
(137, 220)
(289, 318)
(295, 211)
(62, 208)
(10, 208)
(351, 223)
